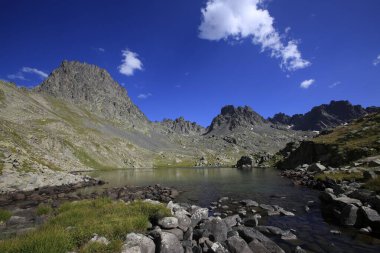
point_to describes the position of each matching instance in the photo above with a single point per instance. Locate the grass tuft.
(76, 222)
(373, 185)
(340, 176)
(4, 215)
(44, 209)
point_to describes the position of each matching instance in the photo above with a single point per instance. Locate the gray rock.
(342, 202)
(250, 234)
(138, 243)
(177, 232)
(249, 203)
(258, 247)
(170, 243)
(236, 244)
(15, 220)
(168, 222)
(232, 221)
(184, 221)
(218, 248)
(218, 229)
(349, 215)
(316, 167)
(198, 215)
(99, 239)
(368, 175)
(299, 250)
(267, 207)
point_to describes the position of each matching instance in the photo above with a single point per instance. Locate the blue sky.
(189, 58)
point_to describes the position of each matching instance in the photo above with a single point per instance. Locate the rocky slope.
(324, 116)
(338, 147)
(182, 126)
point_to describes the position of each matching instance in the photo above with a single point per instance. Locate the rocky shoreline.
(344, 201)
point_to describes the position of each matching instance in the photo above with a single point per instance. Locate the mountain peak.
(231, 117)
(92, 86)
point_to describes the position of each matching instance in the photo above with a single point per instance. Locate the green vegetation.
(362, 133)
(4, 215)
(76, 222)
(339, 176)
(373, 185)
(44, 209)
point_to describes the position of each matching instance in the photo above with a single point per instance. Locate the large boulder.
(236, 244)
(168, 222)
(170, 243)
(198, 215)
(251, 234)
(218, 229)
(349, 215)
(138, 243)
(184, 220)
(316, 167)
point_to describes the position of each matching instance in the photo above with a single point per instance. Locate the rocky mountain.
(79, 118)
(182, 126)
(324, 116)
(231, 118)
(337, 147)
(93, 87)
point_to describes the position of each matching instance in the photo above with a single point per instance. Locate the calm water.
(202, 186)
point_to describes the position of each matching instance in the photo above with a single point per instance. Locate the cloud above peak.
(20, 74)
(241, 19)
(130, 63)
(376, 61)
(307, 83)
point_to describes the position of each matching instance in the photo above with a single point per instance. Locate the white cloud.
(307, 83)
(100, 49)
(376, 61)
(144, 95)
(130, 63)
(239, 19)
(333, 85)
(34, 71)
(18, 75)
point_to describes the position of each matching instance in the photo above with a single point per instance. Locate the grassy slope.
(75, 223)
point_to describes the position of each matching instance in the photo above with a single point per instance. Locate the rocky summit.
(324, 116)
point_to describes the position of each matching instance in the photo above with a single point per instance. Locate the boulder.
(249, 203)
(99, 239)
(168, 222)
(138, 243)
(258, 247)
(177, 232)
(236, 244)
(368, 175)
(343, 201)
(198, 215)
(348, 215)
(232, 221)
(170, 243)
(184, 220)
(218, 229)
(251, 234)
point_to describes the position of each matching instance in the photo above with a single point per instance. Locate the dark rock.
(236, 244)
(349, 215)
(244, 162)
(217, 228)
(249, 203)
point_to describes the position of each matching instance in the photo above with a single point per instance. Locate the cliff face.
(182, 126)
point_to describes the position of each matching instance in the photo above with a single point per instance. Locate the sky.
(190, 58)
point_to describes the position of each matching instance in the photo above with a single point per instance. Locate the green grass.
(373, 185)
(339, 176)
(44, 209)
(4, 215)
(76, 222)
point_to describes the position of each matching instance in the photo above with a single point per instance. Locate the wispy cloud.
(20, 74)
(307, 83)
(144, 95)
(333, 85)
(34, 71)
(240, 19)
(376, 61)
(130, 63)
(100, 49)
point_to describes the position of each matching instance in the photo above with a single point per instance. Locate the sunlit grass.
(76, 222)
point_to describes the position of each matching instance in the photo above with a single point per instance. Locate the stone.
(342, 202)
(251, 234)
(99, 239)
(175, 231)
(16, 220)
(168, 222)
(232, 221)
(184, 221)
(299, 250)
(138, 243)
(267, 207)
(236, 244)
(287, 236)
(249, 203)
(348, 215)
(244, 162)
(368, 175)
(170, 243)
(218, 248)
(316, 167)
(257, 247)
(218, 229)
(198, 215)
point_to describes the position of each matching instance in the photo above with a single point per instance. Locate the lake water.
(204, 185)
